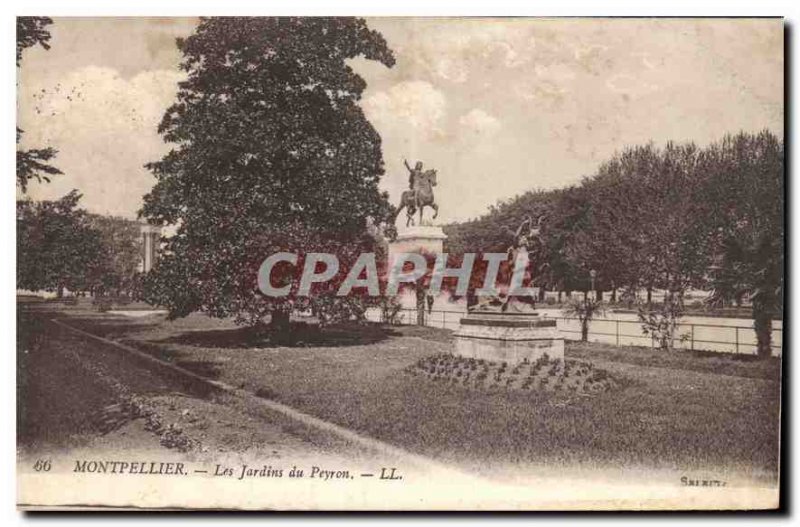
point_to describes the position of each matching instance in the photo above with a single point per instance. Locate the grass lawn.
(679, 411)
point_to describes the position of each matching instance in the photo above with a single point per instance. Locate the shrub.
(103, 303)
(662, 323)
(390, 310)
(584, 310)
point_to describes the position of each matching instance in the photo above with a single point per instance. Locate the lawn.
(678, 411)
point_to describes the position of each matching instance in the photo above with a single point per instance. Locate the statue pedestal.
(418, 238)
(508, 337)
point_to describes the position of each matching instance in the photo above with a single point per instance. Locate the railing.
(689, 335)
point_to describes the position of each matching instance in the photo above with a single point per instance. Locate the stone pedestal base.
(422, 238)
(506, 337)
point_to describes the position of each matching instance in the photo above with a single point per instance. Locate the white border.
(787, 8)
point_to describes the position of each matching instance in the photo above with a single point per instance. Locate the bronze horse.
(419, 198)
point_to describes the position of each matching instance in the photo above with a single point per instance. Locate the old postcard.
(399, 264)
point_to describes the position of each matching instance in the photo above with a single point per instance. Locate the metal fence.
(689, 335)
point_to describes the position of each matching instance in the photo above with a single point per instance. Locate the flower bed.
(544, 374)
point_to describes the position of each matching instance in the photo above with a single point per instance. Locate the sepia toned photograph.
(399, 263)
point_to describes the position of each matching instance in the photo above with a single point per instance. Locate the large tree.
(746, 195)
(33, 163)
(270, 147)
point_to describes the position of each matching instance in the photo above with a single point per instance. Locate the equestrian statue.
(419, 194)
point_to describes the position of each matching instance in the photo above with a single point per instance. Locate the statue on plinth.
(519, 256)
(505, 327)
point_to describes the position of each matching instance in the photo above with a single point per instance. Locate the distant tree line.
(62, 247)
(670, 218)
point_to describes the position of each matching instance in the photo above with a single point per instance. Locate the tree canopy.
(669, 218)
(30, 32)
(116, 270)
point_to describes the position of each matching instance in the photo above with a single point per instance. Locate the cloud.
(451, 69)
(549, 86)
(479, 122)
(457, 50)
(629, 85)
(104, 127)
(511, 58)
(645, 59)
(593, 57)
(557, 73)
(416, 106)
(96, 99)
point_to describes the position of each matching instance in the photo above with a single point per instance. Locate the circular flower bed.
(544, 374)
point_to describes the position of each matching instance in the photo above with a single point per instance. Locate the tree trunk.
(614, 295)
(60, 291)
(279, 322)
(560, 292)
(649, 296)
(763, 326)
(598, 294)
(585, 330)
(420, 306)
(472, 298)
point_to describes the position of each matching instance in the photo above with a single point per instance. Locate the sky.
(496, 106)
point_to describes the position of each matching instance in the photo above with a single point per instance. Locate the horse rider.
(413, 174)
